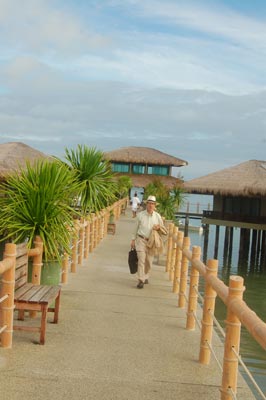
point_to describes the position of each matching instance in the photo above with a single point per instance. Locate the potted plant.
(37, 200)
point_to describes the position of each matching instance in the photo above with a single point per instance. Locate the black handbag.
(133, 261)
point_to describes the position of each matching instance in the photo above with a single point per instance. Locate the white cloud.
(38, 26)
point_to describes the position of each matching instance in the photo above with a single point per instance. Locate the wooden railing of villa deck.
(179, 256)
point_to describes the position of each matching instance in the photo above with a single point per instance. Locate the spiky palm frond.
(97, 184)
(37, 201)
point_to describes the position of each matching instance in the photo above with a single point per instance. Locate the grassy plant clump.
(37, 200)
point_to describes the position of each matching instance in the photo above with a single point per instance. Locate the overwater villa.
(239, 200)
(144, 164)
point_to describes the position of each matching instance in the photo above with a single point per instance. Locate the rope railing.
(179, 258)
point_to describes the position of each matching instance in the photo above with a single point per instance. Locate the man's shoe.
(146, 281)
(140, 285)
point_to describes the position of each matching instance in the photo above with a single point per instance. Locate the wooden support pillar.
(186, 225)
(231, 240)
(216, 245)
(208, 310)
(184, 274)
(258, 249)
(193, 288)
(206, 242)
(254, 242)
(232, 339)
(226, 243)
(263, 252)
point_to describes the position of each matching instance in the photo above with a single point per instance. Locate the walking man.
(147, 220)
(135, 205)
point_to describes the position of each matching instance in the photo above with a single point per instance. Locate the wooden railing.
(196, 208)
(179, 256)
(88, 234)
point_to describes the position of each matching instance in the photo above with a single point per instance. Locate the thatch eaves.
(14, 155)
(143, 155)
(247, 179)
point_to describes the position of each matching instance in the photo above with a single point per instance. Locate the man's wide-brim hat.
(151, 199)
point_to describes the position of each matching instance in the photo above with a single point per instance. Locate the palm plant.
(97, 186)
(124, 183)
(37, 201)
(169, 199)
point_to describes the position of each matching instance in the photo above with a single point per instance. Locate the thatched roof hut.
(145, 155)
(247, 179)
(147, 158)
(13, 155)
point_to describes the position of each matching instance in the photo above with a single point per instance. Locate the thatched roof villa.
(247, 179)
(14, 155)
(239, 193)
(144, 164)
(239, 200)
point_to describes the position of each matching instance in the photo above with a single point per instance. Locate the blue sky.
(184, 77)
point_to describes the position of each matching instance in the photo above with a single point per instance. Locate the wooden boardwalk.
(113, 341)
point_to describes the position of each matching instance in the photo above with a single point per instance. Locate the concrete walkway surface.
(113, 341)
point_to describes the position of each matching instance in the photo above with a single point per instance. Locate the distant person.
(135, 205)
(147, 221)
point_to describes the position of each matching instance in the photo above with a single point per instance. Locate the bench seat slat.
(30, 293)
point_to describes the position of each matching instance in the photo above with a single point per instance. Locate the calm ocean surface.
(255, 294)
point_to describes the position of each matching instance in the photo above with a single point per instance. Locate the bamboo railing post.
(104, 222)
(95, 228)
(81, 242)
(74, 248)
(208, 310)
(37, 262)
(87, 239)
(107, 216)
(92, 232)
(232, 339)
(184, 274)
(99, 228)
(173, 254)
(7, 289)
(177, 267)
(169, 247)
(64, 277)
(193, 295)
(36, 268)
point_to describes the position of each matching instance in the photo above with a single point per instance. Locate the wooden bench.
(30, 297)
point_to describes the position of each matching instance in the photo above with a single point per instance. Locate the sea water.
(255, 294)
